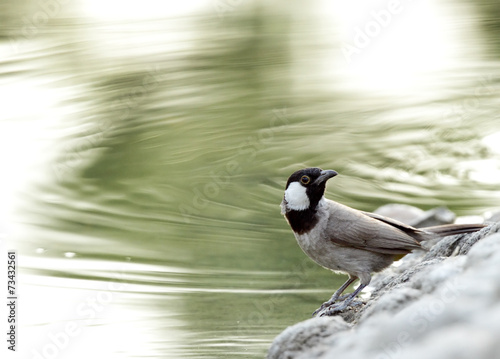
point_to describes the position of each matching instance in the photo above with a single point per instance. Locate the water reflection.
(82, 318)
(162, 146)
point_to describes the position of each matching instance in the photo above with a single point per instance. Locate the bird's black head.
(305, 188)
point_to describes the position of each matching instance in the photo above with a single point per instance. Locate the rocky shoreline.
(443, 303)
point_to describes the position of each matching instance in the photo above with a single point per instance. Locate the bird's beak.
(325, 176)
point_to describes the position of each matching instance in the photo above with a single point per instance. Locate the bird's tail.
(451, 229)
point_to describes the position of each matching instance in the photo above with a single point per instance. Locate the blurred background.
(145, 146)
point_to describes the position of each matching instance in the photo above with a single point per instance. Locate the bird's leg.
(338, 307)
(336, 296)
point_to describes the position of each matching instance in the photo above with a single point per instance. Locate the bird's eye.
(305, 179)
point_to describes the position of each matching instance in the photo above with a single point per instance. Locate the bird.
(347, 240)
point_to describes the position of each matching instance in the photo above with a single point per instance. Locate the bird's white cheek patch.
(296, 197)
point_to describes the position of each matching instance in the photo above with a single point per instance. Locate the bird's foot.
(334, 308)
(330, 302)
(323, 307)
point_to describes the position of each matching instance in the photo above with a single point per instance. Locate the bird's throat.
(302, 221)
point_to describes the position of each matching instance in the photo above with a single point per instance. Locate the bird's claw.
(330, 303)
(329, 309)
(323, 307)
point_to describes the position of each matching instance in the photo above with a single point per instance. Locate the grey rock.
(444, 303)
(459, 244)
(495, 217)
(434, 217)
(415, 216)
(305, 336)
(401, 212)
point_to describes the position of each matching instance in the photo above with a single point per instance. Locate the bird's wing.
(353, 228)
(418, 234)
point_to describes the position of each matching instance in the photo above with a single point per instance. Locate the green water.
(145, 159)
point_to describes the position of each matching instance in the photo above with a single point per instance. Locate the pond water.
(145, 149)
